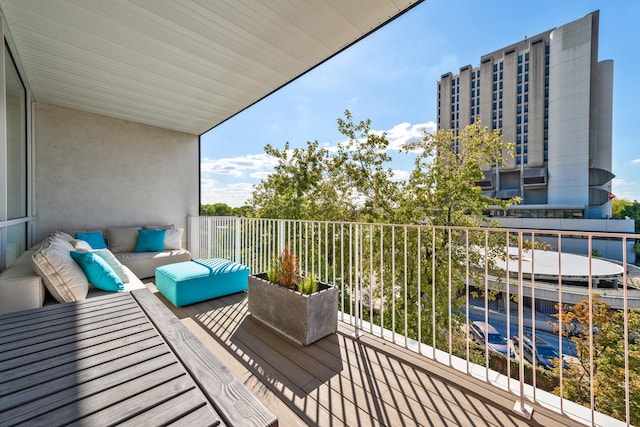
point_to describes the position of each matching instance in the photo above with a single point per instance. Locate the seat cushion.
(194, 281)
(61, 275)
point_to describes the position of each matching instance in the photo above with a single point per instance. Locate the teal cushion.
(150, 241)
(98, 272)
(93, 238)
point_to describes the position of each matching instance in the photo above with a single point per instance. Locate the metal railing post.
(521, 407)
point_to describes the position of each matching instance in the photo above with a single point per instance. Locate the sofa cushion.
(81, 245)
(159, 227)
(150, 241)
(94, 238)
(122, 239)
(99, 273)
(61, 275)
(113, 262)
(173, 239)
(143, 264)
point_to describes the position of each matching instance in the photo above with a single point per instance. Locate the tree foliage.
(442, 187)
(222, 209)
(604, 343)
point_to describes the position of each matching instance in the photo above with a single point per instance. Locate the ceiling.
(186, 65)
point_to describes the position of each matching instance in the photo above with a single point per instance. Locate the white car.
(495, 341)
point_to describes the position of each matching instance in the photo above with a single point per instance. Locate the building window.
(16, 160)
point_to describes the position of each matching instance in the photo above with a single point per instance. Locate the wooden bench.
(119, 358)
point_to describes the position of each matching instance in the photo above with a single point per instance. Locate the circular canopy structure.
(549, 265)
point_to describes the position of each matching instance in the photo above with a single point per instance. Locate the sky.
(391, 78)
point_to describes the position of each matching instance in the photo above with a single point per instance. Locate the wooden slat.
(11, 320)
(231, 398)
(164, 413)
(67, 390)
(68, 333)
(101, 356)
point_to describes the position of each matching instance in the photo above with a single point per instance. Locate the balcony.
(387, 365)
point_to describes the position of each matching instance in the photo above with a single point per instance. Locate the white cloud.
(398, 135)
(234, 195)
(236, 166)
(402, 133)
(627, 190)
(635, 161)
(400, 174)
(261, 175)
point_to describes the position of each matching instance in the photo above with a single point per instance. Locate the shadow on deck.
(341, 380)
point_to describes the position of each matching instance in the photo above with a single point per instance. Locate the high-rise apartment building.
(550, 96)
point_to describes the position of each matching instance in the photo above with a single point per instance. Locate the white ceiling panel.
(186, 65)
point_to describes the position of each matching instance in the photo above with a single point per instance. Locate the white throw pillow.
(81, 245)
(113, 262)
(61, 275)
(173, 239)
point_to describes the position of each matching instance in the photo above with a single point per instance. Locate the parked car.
(495, 342)
(545, 354)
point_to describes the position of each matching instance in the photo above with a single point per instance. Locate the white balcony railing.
(419, 286)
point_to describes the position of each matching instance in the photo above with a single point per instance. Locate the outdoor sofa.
(48, 273)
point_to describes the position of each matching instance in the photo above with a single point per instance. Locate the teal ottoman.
(189, 282)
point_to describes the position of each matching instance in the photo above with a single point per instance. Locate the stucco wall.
(93, 172)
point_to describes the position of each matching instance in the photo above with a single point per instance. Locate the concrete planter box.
(302, 318)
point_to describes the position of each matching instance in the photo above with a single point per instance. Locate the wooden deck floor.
(341, 380)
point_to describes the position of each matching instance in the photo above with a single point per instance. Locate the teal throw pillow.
(150, 241)
(93, 238)
(98, 272)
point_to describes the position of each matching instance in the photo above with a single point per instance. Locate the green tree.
(442, 188)
(360, 172)
(619, 207)
(442, 191)
(216, 209)
(604, 343)
(298, 188)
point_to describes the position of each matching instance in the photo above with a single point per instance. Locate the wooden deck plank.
(352, 385)
(378, 383)
(325, 389)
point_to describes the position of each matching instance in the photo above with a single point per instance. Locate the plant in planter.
(300, 308)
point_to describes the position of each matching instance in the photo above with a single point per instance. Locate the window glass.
(15, 99)
(16, 242)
